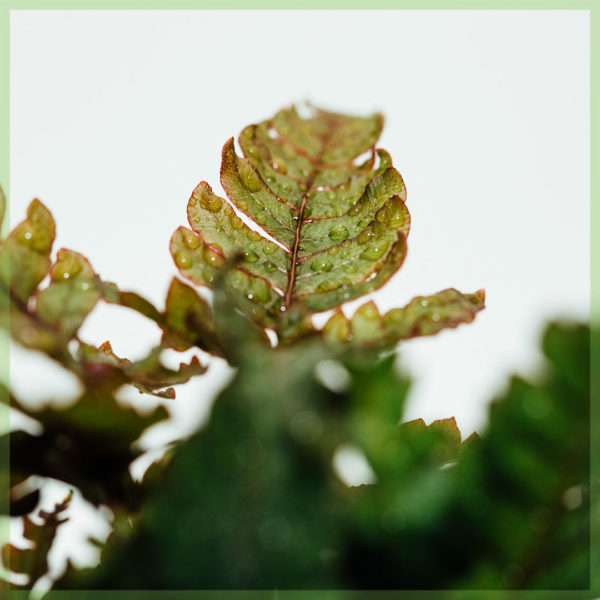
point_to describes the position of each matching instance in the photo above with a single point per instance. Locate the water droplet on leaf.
(183, 259)
(190, 240)
(365, 236)
(374, 252)
(338, 233)
(321, 264)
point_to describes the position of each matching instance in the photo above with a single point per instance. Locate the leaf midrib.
(297, 233)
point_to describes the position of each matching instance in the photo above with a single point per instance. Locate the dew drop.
(397, 220)
(383, 215)
(83, 286)
(435, 317)
(269, 266)
(236, 223)
(321, 265)
(253, 235)
(269, 248)
(365, 236)
(363, 222)
(305, 172)
(212, 257)
(261, 219)
(190, 240)
(211, 203)
(183, 259)
(355, 209)
(280, 167)
(374, 252)
(24, 235)
(250, 256)
(350, 268)
(262, 291)
(338, 233)
(346, 243)
(370, 312)
(331, 195)
(424, 303)
(247, 131)
(249, 177)
(333, 250)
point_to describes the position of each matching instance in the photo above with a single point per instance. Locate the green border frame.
(593, 6)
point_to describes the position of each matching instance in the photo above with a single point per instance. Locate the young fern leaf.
(340, 227)
(334, 227)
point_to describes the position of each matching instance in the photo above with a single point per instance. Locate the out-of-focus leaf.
(511, 512)
(189, 320)
(25, 254)
(424, 315)
(148, 374)
(505, 509)
(88, 445)
(34, 561)
(71, 295)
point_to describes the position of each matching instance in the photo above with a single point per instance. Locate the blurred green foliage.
(253, 501)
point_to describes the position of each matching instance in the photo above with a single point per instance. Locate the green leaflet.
(25, 254)
(72, 293)
(424, 315)
(340, 226)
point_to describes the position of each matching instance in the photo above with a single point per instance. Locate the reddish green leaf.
(424, 315)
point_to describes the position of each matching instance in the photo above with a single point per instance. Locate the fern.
(315, 217)
(333, 227)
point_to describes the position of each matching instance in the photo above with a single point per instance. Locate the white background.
(116, 116)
